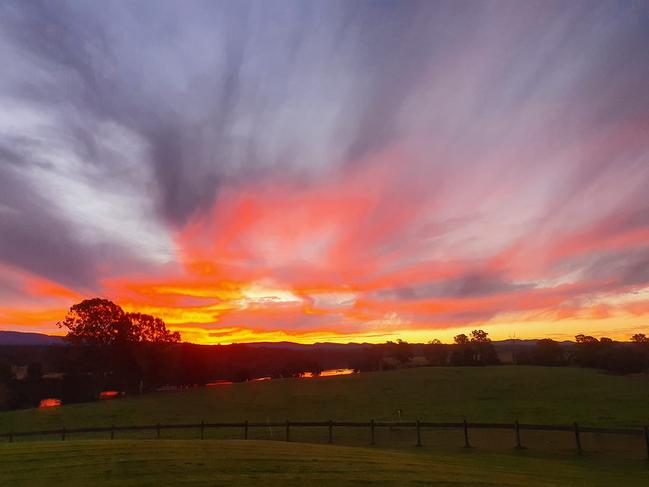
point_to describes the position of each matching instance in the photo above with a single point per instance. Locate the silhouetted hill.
(28, 339)
(510, 344)
(302, 346)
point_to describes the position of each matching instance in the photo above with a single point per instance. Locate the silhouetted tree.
(5, 372)
(462, 352)
(150, 329)
(480, 336)
(587, 351)
(97, 322)
(370, 359)
(623, 360)
(607, 354)
(547, 352)
(485, 353)
(436, 352)
(101, 322)
(620, 358)
(114, 345)
(34, 371)
(640, 343)
(192, 366)
(476, 350)
(461, 339)
(157, 364)
(400, 350)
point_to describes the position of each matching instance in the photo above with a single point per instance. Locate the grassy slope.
(182, 462)
(531, 394)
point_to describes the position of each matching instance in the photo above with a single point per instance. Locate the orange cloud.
(365, 258)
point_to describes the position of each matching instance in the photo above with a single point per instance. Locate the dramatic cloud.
(327, 170)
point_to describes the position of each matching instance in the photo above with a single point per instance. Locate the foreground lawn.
(210, 462)
(489, 394)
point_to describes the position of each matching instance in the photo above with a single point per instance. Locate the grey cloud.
(36, 239)
(616, 269)
(210, 86)
(468, 285)
(223, 93)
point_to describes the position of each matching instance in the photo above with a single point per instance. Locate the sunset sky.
(328, 171)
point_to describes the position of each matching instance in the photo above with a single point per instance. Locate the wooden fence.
(371, 426)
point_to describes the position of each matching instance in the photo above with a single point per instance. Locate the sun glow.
(258, 293)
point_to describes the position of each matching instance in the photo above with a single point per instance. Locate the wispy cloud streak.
(335, 168)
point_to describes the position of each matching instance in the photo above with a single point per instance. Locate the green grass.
(214, 463)
(489, 394)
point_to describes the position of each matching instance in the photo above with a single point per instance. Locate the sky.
(327, 171)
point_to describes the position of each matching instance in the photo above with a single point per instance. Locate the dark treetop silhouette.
(101, 322)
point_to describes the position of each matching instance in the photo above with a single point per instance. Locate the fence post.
(372, 432)
(519, 445)
(331, 433)
(245, 430)
(466, 435)
(577, 438)
(202, 430)
(288, 430)
(646, 439)
(418, 434)
(11, 437)
(63, 434)
(112, 431)
(157, 431)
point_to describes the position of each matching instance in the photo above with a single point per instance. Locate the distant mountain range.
(28, 339)
(33, 339)
(302, 346)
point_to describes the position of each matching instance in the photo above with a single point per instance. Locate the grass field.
(214, 463)
(489, 394)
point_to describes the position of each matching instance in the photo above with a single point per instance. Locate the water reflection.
(108, 394)
(50, 402)
(329, 373)
(216, 383)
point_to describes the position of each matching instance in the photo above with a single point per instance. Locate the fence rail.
(371, 426)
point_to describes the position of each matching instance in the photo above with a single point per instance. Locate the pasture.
(489, 394)
(238, 462)
(480, 394)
